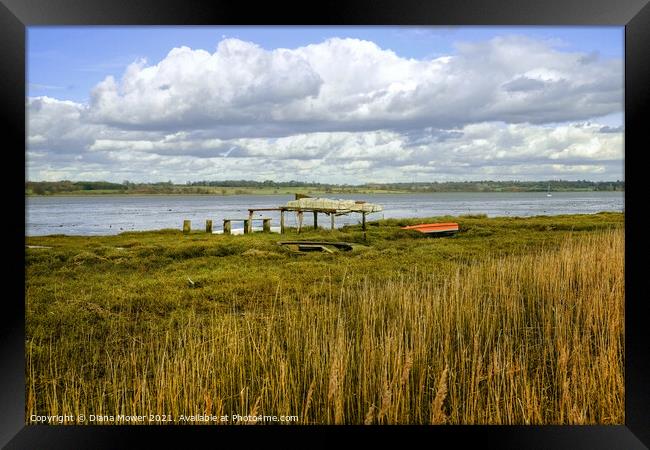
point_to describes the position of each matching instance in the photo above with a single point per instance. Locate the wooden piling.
(250, 222)
(332, 219)
(226, 226)
(187, 226)
(363, 225)
(208, 226)
(282, 221)
(315, 220)
(299, 221)
(266, 227)
(247, 226)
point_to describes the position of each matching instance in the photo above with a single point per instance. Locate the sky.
(326, 104)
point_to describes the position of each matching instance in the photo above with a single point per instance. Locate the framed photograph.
(371, 217)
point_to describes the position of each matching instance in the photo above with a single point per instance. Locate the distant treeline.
(54, 187)
(262, 184)
(226, 186)
(98, 187)
(447, 186)
(504, 186)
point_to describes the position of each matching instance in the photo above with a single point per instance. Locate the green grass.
(114, 325)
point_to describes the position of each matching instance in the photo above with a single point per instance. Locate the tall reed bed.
(528, 339)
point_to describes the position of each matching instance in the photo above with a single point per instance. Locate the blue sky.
(335, 104)
(68, 61)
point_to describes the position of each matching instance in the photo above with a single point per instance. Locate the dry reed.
(527, 339)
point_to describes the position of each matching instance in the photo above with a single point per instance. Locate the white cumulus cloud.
(354, 85)
(342, 110)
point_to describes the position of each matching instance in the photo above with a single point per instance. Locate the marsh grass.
(525, 329)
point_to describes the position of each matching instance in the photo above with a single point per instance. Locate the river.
(113, 214)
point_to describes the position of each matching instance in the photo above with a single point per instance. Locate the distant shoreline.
(91, 193)
(248, 187)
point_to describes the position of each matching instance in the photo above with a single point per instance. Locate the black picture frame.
(16, 15)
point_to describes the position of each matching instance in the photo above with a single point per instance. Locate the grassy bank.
(512, 321)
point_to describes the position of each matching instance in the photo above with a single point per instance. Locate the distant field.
(324, 189)
(511, 321)
(227, 191)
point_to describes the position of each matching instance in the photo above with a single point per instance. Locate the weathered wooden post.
(266, 227)
(332, 218)
(250, 221)
(299, 221)
(363, 224)
(315, 220)
(208, 226)
(187, 226)
(226, 226)
(247, 223)
(282, 221)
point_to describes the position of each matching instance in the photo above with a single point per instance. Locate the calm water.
(96, 215)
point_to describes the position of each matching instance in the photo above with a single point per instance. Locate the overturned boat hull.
(435, 228)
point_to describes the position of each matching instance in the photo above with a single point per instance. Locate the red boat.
(434, 228)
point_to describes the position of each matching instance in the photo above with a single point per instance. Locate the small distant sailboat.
(548, 191)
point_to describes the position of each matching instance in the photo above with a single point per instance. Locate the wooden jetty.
(283, 209)
(301, 205)
(305, 204)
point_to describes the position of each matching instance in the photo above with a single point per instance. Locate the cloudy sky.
(326, 104)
